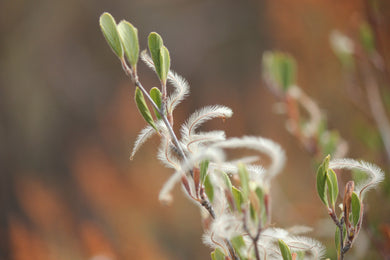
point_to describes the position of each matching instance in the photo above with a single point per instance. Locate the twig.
(134, 77)
(204, 202)
(254, 238)
(377, 108)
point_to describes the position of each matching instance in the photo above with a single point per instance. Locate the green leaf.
(110, 32)
(208, 188)
(228, 183)
(204, 165)
(155, 43)
(260, 194)
(331, 180)
(355, 202)
(253, 212)
(217, 254)
(238, 244)
(285, 250)
(237, 196)
(321, 180)
(287, 71)
(280, 68)
(165, 63)
(155, 94)
(337, 240)
(143, 108)
(300, 255)
(367, 38)
(244, 178)
(129, 37)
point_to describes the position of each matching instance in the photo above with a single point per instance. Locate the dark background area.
(68, 121)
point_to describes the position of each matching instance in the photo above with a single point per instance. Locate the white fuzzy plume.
(196, 140)
(182, 88)
(201, 116)
(209, 154)
(166, 156)
(375, 173)
(266, 146)
(269, 243)
(145, 134)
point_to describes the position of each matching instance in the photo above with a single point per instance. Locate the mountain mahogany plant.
(233, 195)
(279, 74)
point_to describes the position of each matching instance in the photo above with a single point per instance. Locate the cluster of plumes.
(233, 195)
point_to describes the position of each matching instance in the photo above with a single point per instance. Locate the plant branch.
(134, 77)
(377, 108)
(205, 203)
(254, 238)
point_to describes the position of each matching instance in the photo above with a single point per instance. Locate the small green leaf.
(287, 71)
(226, 178)
(217, 254)
(143, 108)
(165, 63)
(204, 165)
(253, 212)
(337, 240)
(208, 188)
(285, 250)
(355, 202)
(367, 37)
(155, 94)
(238, 199)
(321, 180)
(300, 255)
(129, 37)
(238, 244)
(110, 32)
(260, 195)
(280, 68)
(155, 43)
(244, 178)
(331, 180)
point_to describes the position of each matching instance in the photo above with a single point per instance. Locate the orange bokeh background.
(68, 122)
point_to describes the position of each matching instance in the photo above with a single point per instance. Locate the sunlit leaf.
(238, 244)
(227, 181)
(204, 165)
(143, 108)
(285, 250)
(321, 180)
(287, 71)
(217, 254)
(165, 63)
(209, 189)
(356, 204)
(244, 178)
(155, 43)
(337, 240)
(155, 94)
(237, 196)
(280, 68)
(110, 32)
(333, 187)
(129, 37)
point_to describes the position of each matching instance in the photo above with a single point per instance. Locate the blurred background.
(68, 121)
